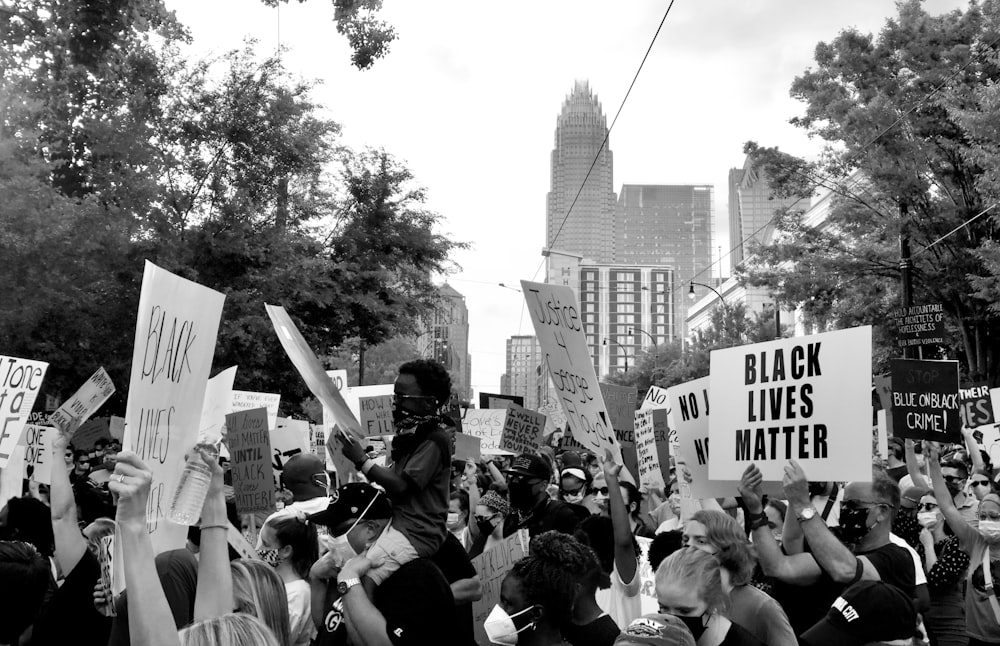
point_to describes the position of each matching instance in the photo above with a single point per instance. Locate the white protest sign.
(84, 402)
(339, 378)
(804, 398)
(116, 427)
(647, 578)
(647, 456)
(246, 400)
(352, 396)
(376, 415)
(175, 333)
(656, 397)
(486, 424)
(492, 566)
(20, 381)
(38, 452)
(522, 430)
(559, 329)
(288, 437)
(882, 433)
(12, 475)
(555, 418)
(217, 404)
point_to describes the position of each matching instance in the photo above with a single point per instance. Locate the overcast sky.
(469, 93)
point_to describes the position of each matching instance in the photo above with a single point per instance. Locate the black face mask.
(816, 488)
(485, 526)
(853, 525)
(695, 624)
(522, 495)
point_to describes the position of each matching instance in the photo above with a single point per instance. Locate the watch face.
(342, 587)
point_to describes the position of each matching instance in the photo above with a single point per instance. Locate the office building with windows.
(525, 375)
(752, 207)
(445, 338)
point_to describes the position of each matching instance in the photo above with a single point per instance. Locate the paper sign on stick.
(805, 398)
(175, 333)
(20, 381)
(522, 430)
(492, 566)
(84, 402)
(650, 474)
(488, 426)
(555, 315)
(656, 397)
(38, 453)
(925, 404)
(467, 447)
(250, 453)
(247, 400)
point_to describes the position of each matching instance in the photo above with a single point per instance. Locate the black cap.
(351, 501)
(868, 611)
(533, 466)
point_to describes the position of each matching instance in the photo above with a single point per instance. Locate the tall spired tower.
(588, 231)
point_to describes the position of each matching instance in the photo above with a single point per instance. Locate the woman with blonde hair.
(689, 586)
(259, 591)
(235, 628)
(288, 543)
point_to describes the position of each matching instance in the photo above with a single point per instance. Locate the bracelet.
(367, 466)
(220, 526)
(758, 520)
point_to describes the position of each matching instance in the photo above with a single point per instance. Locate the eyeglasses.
(980, 483)
(954, 478)
(485, 519)
(861, 504)
(928, 506)
(396, 397)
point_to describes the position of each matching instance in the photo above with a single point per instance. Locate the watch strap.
(758, 520)
(347, 584)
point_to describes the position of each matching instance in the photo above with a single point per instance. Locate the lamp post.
(692, 296)
(633, 330)
(624, 351)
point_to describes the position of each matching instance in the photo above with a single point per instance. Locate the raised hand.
(750, 489)
(130, 483)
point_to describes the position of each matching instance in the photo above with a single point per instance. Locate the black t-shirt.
(416, 602)
(739, 636)
(178, 572)
(455, 565)
(600, 632)
(895, 567)
(70, 616)
(553, 515)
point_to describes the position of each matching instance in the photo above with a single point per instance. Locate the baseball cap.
(868, 611)
(530, 465)
(351, 501)
(911, 496)
(656, 630)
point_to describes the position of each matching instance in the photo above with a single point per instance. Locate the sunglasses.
(601, 490)
(980, 483)
(954, 478)
(928, 506)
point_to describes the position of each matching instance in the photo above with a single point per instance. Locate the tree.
(899, 163)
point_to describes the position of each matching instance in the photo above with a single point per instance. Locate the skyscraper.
(447, 339)
(581, 130)
(750, 221)
(524, 374)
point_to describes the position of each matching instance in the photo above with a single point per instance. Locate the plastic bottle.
(189, 496)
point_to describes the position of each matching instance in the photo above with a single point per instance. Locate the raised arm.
(625, 557)
(214, 593)
(394, 485)
(966, 534)
(70, 542)
(149, 617)
(912, 468)
(978, 466)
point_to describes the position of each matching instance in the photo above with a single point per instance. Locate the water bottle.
(189, 496)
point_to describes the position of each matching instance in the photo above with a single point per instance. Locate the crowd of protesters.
(910, 557)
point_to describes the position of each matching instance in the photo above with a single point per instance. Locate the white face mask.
(500, 628)
(927, 518)
(990, 529)
(453, 519)
(574, 498)
(341, 550)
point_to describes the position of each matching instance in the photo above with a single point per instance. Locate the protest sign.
(555, 418)
(689, 406)
(175, 333)
(883, 387)
(976, 408)
(288, 437)
(116, 427)
(239, 542)
(246, 400)
(106, 560)
(492, 566)
(352, 397)
(96, 428)
(493, 400)
(250, 455)
(487, 425)
(881, 435)
(336, 461)
(84, 402)
(925, 403)
(647, 456)
(376, 415)
(919, 324)
(522, 430)
(647, 577)
(621, 404)
(656, 397)
(12, 475)
(20, 381)
(559, 329)
(467, 447)
(38, 453)
(339, 379)
(217, 404)
(804, 398)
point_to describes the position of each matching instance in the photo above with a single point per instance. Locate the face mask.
(853, 525)
(341, 549)
(453, 519)
(521, 495)
(816, 488)
(695, 624)
(575, 498)
(485, 526)
(990, 529)
(270, 557)
(927, 518)
(500, 627)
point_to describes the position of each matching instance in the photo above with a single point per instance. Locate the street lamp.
(624, 351)
(692, 296)
(633, 330)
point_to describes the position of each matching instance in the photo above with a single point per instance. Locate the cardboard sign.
(492, 566)
(353, 396)
(246, 400)
(621, 402)
(919, 324)
(376, 415)
(84, 402)
(20, 381)
(648, 458)
(976, 408)
(522, 430)
(555, 315)
(38, 453)
(175, 333)
(806, 399)
(250, 456)
(656, 397)
(97, 428)
(288, 437)
(467, 447)
(487, 425)
(493, 400)
(925, 404)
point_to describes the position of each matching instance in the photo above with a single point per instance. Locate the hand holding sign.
(351, 449)
(131, 484)
(796, 484)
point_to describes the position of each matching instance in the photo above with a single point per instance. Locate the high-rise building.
(670, 227)
(755, 205)
(581, 147)
(525, 375)
(447, 339)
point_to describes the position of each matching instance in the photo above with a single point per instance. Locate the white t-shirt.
(301, 628)
(621, 601)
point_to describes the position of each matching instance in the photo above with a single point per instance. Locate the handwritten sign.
(246, 400)
(925, 404)
(492, 566)
(467, 447)
(38, 453)
(339, 379)
(656, 397)
(555, 315)
(555, 418)
(648, 458)
(689, 406)
(493, 400)
(919, 324)
(487, 425)
(621, 402)
(805, 398)
(250, 453)
(522, 430)
(84, 402)
(175, 334)
(976, 406)
(376, 415)
(288, 437)
(20, 381)
(106, 560)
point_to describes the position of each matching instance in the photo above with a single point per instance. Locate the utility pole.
(906, 279)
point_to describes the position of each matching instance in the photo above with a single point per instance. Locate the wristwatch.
(347, 584)
(758, 520)
(808, 513)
